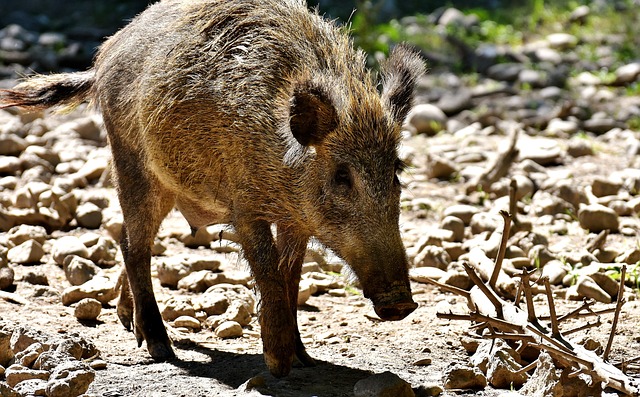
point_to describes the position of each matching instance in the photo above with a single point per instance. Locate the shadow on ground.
(204, 371)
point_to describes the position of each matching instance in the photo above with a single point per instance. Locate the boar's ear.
(313, 113)
(400, 73)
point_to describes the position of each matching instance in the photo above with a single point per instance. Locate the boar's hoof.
(278, 367)
(161, 351)
(305, 359)
(395, 311)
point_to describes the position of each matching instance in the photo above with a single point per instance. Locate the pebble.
(432, 256)
(238, 312)
(7, 276)
(596, 218)
(99, 288)
(427, 119)
(562, 41)
(627, 73)
(29, 252)
(455, 225)
(178, 307)
(88, 309)
(579, 148)
(187, 322)
(458, 376)
(16, 373)
(462, 211)
(608, 186)
(89, 216)
(70, 379)
(68, 245)
(555, 271)
(229, 329)
(212, 303)
(588, 288)
(383, 385)
(79, 270)
(23, 233)
(441, 168)
(306, 288)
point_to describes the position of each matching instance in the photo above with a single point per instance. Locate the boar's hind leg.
(292, 249)
(276, 320)
(144, 204)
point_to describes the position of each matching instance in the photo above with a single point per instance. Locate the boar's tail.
(40, 92)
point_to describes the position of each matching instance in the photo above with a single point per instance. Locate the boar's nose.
(395, 311)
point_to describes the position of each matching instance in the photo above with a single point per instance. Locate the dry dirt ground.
(342, 333)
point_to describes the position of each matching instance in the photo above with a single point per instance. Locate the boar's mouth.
(394, 306)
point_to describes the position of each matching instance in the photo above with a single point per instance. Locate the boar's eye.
(342, 177)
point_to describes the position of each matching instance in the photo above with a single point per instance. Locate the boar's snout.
(394, 306)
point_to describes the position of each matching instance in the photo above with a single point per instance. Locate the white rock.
(79, 270)
(88, 309)
(187, 322)
(427, 119)
(229, 329)
(68, 245)
(28, 252)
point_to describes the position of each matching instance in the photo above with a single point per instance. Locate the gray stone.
(596, 218)
(89, 216)
(229, 329)
(453, 102)
(68, 245)
(22, 233)
(16, 373)
(239, 312)
(88, 309)
(188, 322)
(545, 380)
(30, 387)
(455, 225)
(462, 211)
(579, 148)
(28, 252)
(79, 270)
(7, 276)
(432, 256)
(427, 119)
(459, 376)
(201, 280)
(555, 271)
(104, 251)
(11, 145)
(562, 41)
(609, 186)
(441, 168)
(505, 71)
(178, 307)
(587, 287)
(386, 384)
(627, 73)
(100, 288)
(70, 379)
(10, 165)
(211, 303)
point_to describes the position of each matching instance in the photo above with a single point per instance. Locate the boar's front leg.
(276, 320)
(292, 248)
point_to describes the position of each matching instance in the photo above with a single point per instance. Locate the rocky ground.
(564, 128)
